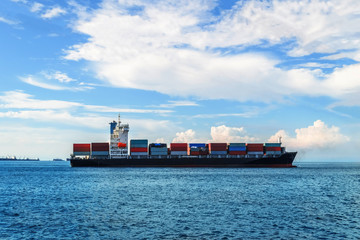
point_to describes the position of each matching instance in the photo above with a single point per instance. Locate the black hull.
(285, 160)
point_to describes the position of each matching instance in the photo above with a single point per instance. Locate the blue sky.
(194, 71)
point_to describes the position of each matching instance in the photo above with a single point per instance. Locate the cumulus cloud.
(53, 12)
(217, 134)
(187, 136)
(173, 47)
(229, 134)
(317, 136)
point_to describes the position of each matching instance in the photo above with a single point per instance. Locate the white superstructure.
(118, 139)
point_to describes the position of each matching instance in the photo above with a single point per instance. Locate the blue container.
(198, 145)
(272, 144)
(237, 144)
(218, 153)
(99, 153)
(236, 148)
(81, 153)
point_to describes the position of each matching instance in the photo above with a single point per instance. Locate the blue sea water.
(51, 200)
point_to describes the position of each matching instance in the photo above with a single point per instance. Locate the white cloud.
(20, 1)
(172, 104)
(36, 7)
(355, 55)
(7, 21)
(229, 134)
(184, 137)
(55, 81)
(53, 12)
(217, 134)
(317, 136)
(20, 100)
(163, 48)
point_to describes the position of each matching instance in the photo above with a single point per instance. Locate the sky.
(180, 71)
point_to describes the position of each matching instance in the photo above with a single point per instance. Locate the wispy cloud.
(53, 12)
(21, 100)
(173, 104)
(55, 80)
(36, 7)
(7, 21)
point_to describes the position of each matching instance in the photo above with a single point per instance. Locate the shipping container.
(138, 153)
(81, 147)
(158, 145)
(217, 147)
(255, 153)
(99, 146)
(138, 143)
(237, 144)
(255, 147)
(273, 152)
(180, 145)
(82, 153)
(138, 149)
(100, 153)
(272, 144)
(179, 153)
(158, 148)
(218, 152)
(159, 154)
(198, 145)
(237, 153)
(272, 149)
(237, 148)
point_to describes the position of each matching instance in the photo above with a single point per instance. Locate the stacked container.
(273, 148)
(196, 149)
(100, 149)
(81, 149)
(138, 147)
(158, 149)
(178, 149)
(237, 149)
(218, 148)
(255, 148)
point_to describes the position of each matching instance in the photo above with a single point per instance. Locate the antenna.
(279, 139)
(119, 119)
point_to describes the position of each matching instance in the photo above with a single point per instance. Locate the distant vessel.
(18, 159)
(58, 160)
(142, 154)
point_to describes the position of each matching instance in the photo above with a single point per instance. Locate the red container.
(237, 153)
(138, 149)
(178, 146)
(178, 149)
(95, 147)
(194, 153)
(81, 147)
(255, 147)
(217, 147)
(273, 149)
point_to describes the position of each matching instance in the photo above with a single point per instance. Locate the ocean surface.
(51, 200)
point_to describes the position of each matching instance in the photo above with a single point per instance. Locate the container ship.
(115, 153)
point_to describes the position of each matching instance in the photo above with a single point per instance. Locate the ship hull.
(284, 161)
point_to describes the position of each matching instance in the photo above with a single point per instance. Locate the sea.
(51, 200)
